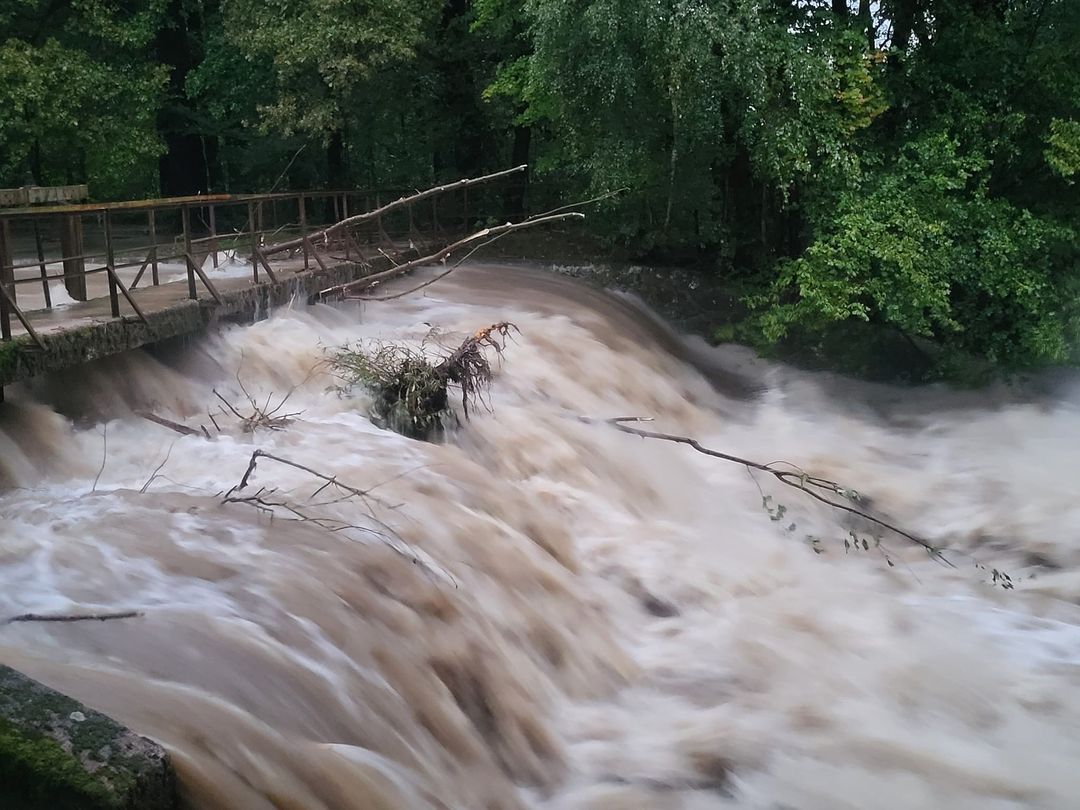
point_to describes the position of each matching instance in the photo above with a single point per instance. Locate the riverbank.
(698, 300)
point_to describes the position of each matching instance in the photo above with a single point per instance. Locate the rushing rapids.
(564, 616)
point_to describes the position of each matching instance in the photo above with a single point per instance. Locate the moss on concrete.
(57, 754)
(13, 354)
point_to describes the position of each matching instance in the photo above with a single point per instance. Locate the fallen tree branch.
(331, 480)
(325, 233)
(261, 416)
(794, 477)
(72, 617)
(441, 254)
(263, 501)
(483, 245)
(421, 286)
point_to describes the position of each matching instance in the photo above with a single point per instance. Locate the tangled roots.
(410, 392)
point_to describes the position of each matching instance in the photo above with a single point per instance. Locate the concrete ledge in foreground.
(56, 754)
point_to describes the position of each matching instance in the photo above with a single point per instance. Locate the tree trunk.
(866, 20)
(335, 160)
(182, 169)
(35, 163)
(674, 160)
(514, 197)
(903, 20)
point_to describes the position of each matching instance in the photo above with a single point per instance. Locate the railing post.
(465, 209)
(254, 243)
(303, 229)
(185, 220)
(367, 207)
(345, 238)
(7, 276)
(110, 265)
(71, 248)
(153, 246)
(41, 264)
(213, 234)
(382, 237)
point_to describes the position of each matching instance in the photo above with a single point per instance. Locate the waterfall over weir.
(542, 612)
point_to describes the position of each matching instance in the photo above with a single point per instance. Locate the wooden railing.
(74, 243)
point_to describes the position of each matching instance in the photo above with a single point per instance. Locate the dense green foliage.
(77, 96)
(909, 163)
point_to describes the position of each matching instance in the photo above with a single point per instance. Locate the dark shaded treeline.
(909, 163)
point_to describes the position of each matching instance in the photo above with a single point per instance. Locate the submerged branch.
(183, 430)
(72, 617)
(794, 477)
(261, 416)
(329, 479)
(263, 500)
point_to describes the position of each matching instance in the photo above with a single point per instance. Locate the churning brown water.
(573, 617)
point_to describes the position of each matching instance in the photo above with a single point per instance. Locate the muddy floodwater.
(543, 612)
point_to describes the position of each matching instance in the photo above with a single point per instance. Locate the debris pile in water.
(410, 391)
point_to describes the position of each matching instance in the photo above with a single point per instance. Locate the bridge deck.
(173, 265)
(68, 314)
(75, 332)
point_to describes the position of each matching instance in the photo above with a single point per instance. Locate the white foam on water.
(543, 612)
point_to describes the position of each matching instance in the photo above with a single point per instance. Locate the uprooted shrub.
(410, 390)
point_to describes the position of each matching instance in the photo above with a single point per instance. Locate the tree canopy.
(908, 163)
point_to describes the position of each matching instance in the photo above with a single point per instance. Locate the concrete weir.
(85, 331)
(56, 754)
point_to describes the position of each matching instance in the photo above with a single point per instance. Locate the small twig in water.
(154, 474)
(227, 404)
(104, 455)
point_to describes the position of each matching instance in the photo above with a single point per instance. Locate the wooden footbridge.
(80, 282)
